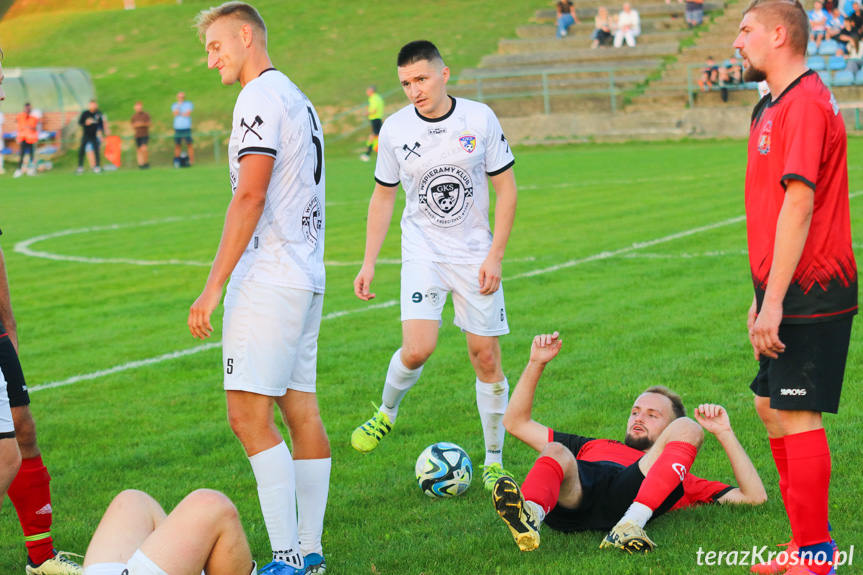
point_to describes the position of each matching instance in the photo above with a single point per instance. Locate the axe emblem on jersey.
(412, 150)
(258, 122)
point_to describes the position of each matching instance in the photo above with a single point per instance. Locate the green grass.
(644, 316)
(332, 51)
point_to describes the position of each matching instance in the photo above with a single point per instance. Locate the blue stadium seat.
(843, 78)
(836, 63)
(811, 48)
(816, 63)
(828, 47)
(859, 78)
(826, 77)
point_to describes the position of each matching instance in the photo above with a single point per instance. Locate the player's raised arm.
(491, 270)
(714, 419)
(380, 216)
(517, 419)
(243, 215)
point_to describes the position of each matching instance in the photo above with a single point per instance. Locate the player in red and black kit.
(30, 492)
(579, 483)
(803, 267)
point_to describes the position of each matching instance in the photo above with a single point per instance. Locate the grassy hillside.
(332, 51)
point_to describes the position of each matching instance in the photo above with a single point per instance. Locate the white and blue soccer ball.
(444, 470)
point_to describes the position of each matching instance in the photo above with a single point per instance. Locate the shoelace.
(63, 557)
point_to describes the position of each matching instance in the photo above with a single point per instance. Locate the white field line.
(390, 303)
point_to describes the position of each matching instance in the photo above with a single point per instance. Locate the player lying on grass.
(203, 533)
(580, 483)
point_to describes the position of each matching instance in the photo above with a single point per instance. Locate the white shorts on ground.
(6, 425)
(270, 338)
(424, 290)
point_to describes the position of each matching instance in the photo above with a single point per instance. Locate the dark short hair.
(787, 13)
(676, 403)
(417, 51)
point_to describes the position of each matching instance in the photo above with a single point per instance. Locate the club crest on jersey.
(433, 296)
(312, 222)
(445, 195)
(764, 138)
(468, 143)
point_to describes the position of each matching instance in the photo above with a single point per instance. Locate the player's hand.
(363, 282)
(490, 273)
(764, 333)
(545, 347)
(712, 418)
(201, 310)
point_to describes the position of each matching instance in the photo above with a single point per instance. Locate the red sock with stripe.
(809, 469)
(542, 484)
(31, 496)
(666, 474)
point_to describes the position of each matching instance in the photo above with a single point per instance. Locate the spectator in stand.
(856, 18)
(182, 111)
(854, 58)
(818, 23)
(694, 13)
(601, 28)
(709, 75)
(27, 136)
(847, 35)
(566, 17)
(731, 72)
(835, 23)
(141, 123)
(628, 26)
(92, 122)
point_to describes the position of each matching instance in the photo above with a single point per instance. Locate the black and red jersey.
(695, 489)
(801, 136)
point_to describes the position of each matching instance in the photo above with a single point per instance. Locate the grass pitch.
(635, 253)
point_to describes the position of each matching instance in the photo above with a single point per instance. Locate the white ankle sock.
(399, 381)
(274, 472)
(537, 509)
(313, 486)
(639, 513)
(491, 400)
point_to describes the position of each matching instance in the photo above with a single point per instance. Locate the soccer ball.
(444, 470)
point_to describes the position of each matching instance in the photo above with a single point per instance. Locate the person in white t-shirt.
(443, 150)
(272, 248)
(628, 26)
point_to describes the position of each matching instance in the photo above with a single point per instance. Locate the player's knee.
(764, 411)
(10, 458)
(686, 430)
(25, 431)
(562, 455)
(415, 355)
(212, 504)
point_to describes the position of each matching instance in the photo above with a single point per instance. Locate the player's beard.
(640, 443)
(753, 74)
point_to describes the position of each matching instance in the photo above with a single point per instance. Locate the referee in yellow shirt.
(376, 117)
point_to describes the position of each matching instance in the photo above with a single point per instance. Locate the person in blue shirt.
(182, 110)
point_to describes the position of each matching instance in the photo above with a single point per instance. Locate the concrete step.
(583, 55)
(584, 104)
(470, 74)
(526, 46)
(550, 16)
(660, 23)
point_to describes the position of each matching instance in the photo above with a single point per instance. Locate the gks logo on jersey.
(445, 195)
(312, 222)
(764, 139)
(468, 142)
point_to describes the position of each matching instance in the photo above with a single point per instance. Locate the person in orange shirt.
(27, 136)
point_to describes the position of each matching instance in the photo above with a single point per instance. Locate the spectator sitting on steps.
(601, 28)
(709, 75)
(566, 17)
(628, 26)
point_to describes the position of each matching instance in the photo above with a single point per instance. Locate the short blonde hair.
(241, 11)
(787, 13)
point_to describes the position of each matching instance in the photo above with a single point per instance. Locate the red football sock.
(666, 474)
(808, 486)
(542, 484)
(31, 497)
(780, 457)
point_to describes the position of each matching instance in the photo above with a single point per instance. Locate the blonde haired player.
(272, 248)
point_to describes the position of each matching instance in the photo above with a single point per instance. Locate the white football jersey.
(443, 165)
(274, 118)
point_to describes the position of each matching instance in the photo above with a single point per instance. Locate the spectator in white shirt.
(628, 27)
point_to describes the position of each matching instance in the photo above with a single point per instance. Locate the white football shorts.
(7, 428)
(270, 338)
(424, 290)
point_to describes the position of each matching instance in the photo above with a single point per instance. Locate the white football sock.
(491, 400)
(105, 569)
(274, 472)
(399, 381)
(313, 486)
(638, 513)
